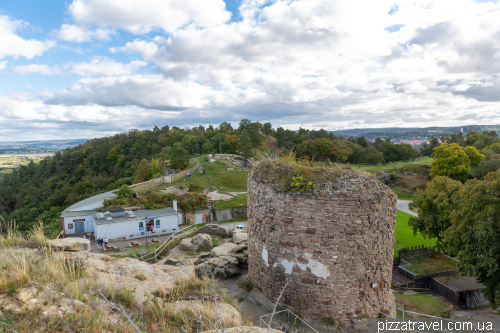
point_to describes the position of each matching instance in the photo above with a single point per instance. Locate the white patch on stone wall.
(265, 256)
(317, 268)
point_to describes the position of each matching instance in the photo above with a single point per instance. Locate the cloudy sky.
(90, 68)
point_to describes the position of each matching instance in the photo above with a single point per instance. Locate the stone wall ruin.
(334, 244)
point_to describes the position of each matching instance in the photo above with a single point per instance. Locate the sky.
(92, 68)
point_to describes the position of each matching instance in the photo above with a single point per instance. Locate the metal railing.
(288, 319)
(476, 327)
(184, 232)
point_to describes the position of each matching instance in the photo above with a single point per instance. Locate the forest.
(41, 191)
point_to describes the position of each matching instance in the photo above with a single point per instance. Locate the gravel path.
(403, 206)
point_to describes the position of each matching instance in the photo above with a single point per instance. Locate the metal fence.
(291, 321)
(181, 233)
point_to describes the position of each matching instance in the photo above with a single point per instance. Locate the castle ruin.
(334, 243)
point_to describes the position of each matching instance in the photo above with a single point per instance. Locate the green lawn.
(236, 201)
(404, 233)
(421, 303)
(376, 168)
(403, 195)
(216, 176)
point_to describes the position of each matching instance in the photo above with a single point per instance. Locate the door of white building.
(199, 218)
(79, 227)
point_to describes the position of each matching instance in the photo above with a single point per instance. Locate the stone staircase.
(212, 209)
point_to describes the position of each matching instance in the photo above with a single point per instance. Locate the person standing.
(105, 241)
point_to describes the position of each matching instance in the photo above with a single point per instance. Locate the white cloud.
(314, 63)
(14, 45)
(143, 16)
(36, 69)
(3, 64)
(77, 34)
(105, 67)
(99, 66)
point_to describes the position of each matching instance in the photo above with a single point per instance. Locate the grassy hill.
(404, 234)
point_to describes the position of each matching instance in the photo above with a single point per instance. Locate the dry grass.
(20, 267)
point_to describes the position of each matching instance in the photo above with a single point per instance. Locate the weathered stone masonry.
(334, 245)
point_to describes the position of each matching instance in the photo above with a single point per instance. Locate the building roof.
(139, 214)
(460, 283)
(91, 203)
(78, 213)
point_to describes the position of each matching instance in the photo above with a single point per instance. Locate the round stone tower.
(333, 242)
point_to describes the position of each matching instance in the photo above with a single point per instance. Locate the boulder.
(222, 250)
(173, 262)
(120, 273)
(186, 245)
(213, 229)
(204, 256)
(202, 241)
(223, 267)
(70, 244)
(228, 314)
(240, 236)
(26, 294)
(240, 253)
(76, 303)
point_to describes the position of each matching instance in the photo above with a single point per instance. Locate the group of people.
(190, 175)
(102, 242)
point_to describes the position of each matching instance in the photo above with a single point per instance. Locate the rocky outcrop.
(70, 244)
(235, 160)
(213, 229)
(240, 236)
(223, 267)
(202, 241)
(196, 243)
(240, 252)
(26, 294)
(222, 250)
(228, 314)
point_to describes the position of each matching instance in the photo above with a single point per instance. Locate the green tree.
(452, 161)
(179, 157)
(245, 145)
(341, 150)
(255, 136)
(323, 148)
(435, 206)
(475, 233)
(124, 192)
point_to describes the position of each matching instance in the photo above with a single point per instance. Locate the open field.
(404, 233)
(235, 202)
(376, 168)
(216, 177)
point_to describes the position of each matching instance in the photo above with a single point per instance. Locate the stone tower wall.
(335, 245)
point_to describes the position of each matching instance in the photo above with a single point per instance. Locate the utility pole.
(220, 144)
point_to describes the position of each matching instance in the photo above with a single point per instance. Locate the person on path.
(105, 241)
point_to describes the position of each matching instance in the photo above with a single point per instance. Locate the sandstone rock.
(77, 303)
(213, 229)
(77, 258)
(228, 314)
(186, 245)
(173, 262)
(33, 301)
(120, 273)
(240, 252)
(204, 256)
(26, 294)
(70, 244)
(240, 236)
(223, 267)
(222, 250)
(202, 241)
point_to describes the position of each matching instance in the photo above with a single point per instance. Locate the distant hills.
(36, 147)
(409, 133)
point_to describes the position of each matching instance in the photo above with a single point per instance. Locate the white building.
(83, 217)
